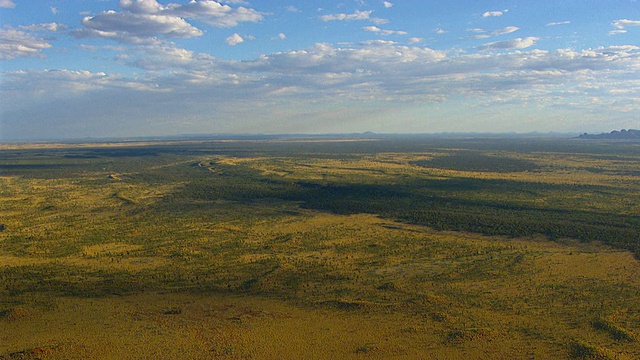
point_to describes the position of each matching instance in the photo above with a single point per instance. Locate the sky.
(77, 69)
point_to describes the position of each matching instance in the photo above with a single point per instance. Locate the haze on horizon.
(78, 69)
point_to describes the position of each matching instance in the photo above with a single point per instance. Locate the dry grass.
(416, 318)
(238, 328)
(230, 280)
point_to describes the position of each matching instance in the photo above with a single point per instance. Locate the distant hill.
(622, 134)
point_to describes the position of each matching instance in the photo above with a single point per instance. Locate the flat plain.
(403, 247)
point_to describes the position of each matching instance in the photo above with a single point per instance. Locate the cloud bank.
(324, 75)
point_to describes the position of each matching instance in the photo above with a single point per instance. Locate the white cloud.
(129, 27)
(324, 76)
(234, 39)
(383, 32)
(142, 21)
(393, 68)
(241, 2)
(166, 56)
(379, 21)
(620, 49)
(378, 42)
(440, 31)
(54, 10)
(215, 14)
(558, 23)
(376, 57)
(9, 4)
(493, 13)
(41, 82)
(18, 44)
(616, 32)
(157, 55)
(480, 36)
(357, 15)
(282, 36)
(519, 43)
(141, 6)
(45, 27)
(387, 4)
(621, 24)
(415, 40)
(507, 30)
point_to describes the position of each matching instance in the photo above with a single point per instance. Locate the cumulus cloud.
(166, 56)
(518, 43)
(375, 57)
(157, 56)
(377, 71)
(234, 40)
(131, 27)
(387, 4)
(382, 69)
(357, 15)
(390, 65)
(624, 23)
(377, 30)
(507, 30)
(493, 13)
(165, 78)
(55, 82)
(142, 6)
(9, 4)
(141, 21)
(378, 42)
(216, 14)
(17, 44)
(45, 27)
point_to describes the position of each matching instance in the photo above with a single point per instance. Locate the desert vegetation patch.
(394, 248)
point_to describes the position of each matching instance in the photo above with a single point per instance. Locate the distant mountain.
(622, 134)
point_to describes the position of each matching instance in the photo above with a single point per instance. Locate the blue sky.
(121, 68)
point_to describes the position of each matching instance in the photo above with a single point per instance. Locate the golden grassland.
(100, 264)
(537, 309)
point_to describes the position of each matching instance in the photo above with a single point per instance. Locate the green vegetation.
(475, 161)
(394, 247)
